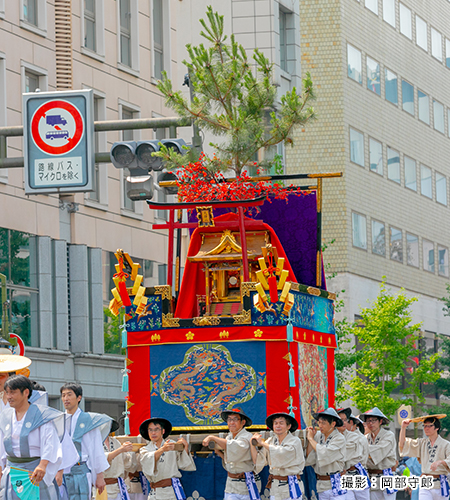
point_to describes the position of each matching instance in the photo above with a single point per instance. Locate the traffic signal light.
(138, 158)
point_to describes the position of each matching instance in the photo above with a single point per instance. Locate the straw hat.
(236, 411)
(289, 419)
(330, 412)
(164, 423)
(12, 363)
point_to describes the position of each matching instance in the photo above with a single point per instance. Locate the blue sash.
(388, 472)
(178, 489)
(335, 480)
(88, 421)
(445, 490)
(145, 485)
(251, 486)
(123, 489)
(294, 487)
(35, 416)
(362, 472)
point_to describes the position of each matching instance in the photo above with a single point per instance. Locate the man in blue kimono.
(87, 431)
(29, 440)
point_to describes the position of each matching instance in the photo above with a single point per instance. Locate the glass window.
(372, 5)
(378, 238)
(405, 21)
(373, 76)
(376, 156)
(448, 120)
(354, 63)
(447, 52)
(283, 42)
(18, 264)
(421, 33)
(158, 35)
(393, 165)
(31, 82)
(359, 231)
(396, 244)
(425, 181)
(436, 44)
(410, 173)
(428, 255)
(438, 114)
(443, 261)
(125, 32)
(441, 188)
(412, 249)
(424, 107)
(408, 97)
(89, 25)
(356, 147)
(389, 11)
(391, 87)
(30, 9)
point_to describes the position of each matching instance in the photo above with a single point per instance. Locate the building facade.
(381, 70)
(57, 251)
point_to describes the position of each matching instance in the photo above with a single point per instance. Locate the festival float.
(252, 324)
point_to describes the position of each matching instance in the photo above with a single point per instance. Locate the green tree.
(112, 332)
(233, 101)
(388, 348)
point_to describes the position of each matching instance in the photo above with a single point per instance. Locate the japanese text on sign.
(53, 171)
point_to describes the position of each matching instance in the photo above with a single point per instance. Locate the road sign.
(20, 347)
(58, 141)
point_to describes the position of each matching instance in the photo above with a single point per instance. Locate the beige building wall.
(327, 27)
(28, 49)
(105, 223)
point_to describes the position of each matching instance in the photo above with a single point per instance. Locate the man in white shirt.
(29, 440)
(382, 453)
(87, 431)
(326, 453)
(434, 454)
(160, 463)
(236, 457)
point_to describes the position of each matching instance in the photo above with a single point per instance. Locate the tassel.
(290, 331)
(125, 382)
(291, 412)
(291, 377)
(124, 338)
(126, 425)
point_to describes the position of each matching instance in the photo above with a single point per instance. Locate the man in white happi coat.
(120, 460)
(382, 453)
(87, 431)
(434, 454)
(29, 439)
(326, 453)
(242, 484)
(284, 455)
(356, 453)
(137, 484)
(160, 463)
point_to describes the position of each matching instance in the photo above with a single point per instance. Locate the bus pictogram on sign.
(57, 127)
